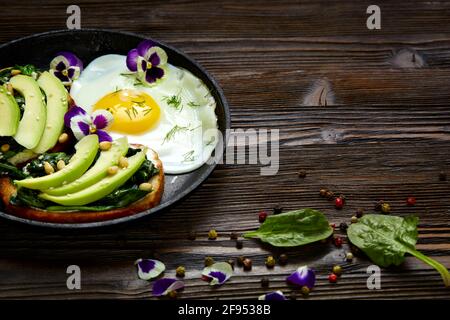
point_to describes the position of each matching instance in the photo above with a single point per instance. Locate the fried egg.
(175, 117)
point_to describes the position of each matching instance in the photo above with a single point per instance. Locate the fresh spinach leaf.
(28, 198)
(386, 239)
(11, 171)
(294, 228)
(36, 167)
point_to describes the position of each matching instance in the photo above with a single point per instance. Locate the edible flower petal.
(82, 124)
(149, 268)
(303, 276)
(164, 286)
(217, 273)
(148, 60)
(66, 66)
(273, 296)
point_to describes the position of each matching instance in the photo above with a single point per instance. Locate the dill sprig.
(174, 101)
(192, 104)
(173, 132)
(189, 156)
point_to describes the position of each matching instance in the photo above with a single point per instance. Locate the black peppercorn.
(359, 213)
(302, 174)
(283, 259)
(293, 295)
(378, 205)
(265, 282)
(330, 195)
(323, 192)
(240, 261)
(234, 236)
(343, 226)
(239, 244)
(247, 263)
(277, 209)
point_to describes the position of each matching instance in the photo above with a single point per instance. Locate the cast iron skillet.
(89, 44)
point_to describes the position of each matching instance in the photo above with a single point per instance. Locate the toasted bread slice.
(8, 190)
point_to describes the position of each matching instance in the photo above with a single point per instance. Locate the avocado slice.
(9, 113)
(32, 125)
(86, 150)
(57, 105)
(97, 172)
(102, 188)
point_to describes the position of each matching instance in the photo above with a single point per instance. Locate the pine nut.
(63, 138)
(105, 145)
(123, 162)
(145, 186)
(113, 170)
(48, 168)
(5, 147)
(15, 72)
(61, 164)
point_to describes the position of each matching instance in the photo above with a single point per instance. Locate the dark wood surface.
(384, 134)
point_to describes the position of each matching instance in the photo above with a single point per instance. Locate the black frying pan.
(89, 44)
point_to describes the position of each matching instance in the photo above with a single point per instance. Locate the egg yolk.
(133, 111)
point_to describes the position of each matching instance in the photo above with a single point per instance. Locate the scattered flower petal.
(273, 296)
(149, 268)
(164, 286)
(217, 273)
(303, 276)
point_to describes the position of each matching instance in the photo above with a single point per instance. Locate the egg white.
(189, 148)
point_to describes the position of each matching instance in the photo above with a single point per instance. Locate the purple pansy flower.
(164, 286)
(83, 124)
(303, 276)
(149, 268)
(273, 296)
(217, 273)
(66, 67)
(148, 60)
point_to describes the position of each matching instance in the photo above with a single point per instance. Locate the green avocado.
(86, 150)
(57, 105)
(102, 188)
(97, 172)
(9, 113)
(32, 125)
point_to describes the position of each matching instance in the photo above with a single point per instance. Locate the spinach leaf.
(386, 239)
(11, 171)
(294, 228)
(28, 198)
(36, 167)
(27, 69)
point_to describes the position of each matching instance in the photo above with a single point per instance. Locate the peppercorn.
(332, 278)
(192, 235)
(180, 271)
(173, 294)
(359, 213)
(338, 203)
(265, 282)
(385, 208)
(329, 195)
(411, 201)
(283, 259)
(231, 263)
(247, 263)
(442, 176)
(293, 295)
(212, 234)
(343, 226)
(302, 174)
(233, 236)
(337, 241)
(354, 219)
(262, 216)
(305, 291)
(349, 256)
(240, 261)
(378, 205)
(323, 193)
(209, 261)
(270, 262)
(337, 270)
(239, 244)
(277, 209)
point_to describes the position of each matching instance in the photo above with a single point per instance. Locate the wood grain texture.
(387, 138)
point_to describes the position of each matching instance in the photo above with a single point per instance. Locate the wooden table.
(384, 135)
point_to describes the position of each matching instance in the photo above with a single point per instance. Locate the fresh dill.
(173, 132)
(192, 104)
(189, 156)
(174, 101)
